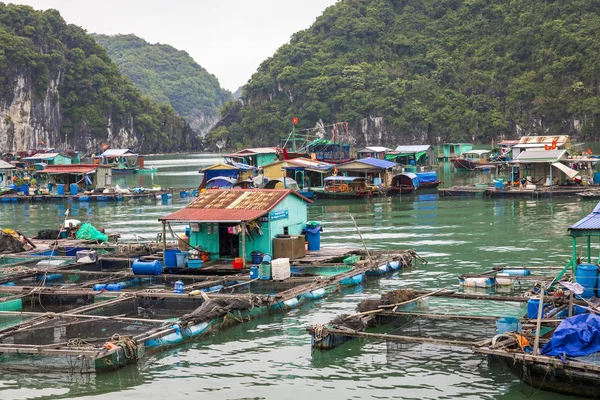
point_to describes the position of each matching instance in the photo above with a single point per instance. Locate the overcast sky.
(230, 38)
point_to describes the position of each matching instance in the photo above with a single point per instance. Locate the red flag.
(554, 143)
(295, 120)
(285, 154)
(546, 147)
(589, 151)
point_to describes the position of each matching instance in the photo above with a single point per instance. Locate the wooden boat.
(404, 183)
(470, 160)
(343, 187)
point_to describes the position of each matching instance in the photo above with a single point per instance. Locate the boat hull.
(463, 164)
(322, 194)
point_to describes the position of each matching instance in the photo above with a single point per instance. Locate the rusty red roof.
(71, 168)
(230, 205)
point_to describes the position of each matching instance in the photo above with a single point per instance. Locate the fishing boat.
(343, 187)
(470, 160)
(404, 183)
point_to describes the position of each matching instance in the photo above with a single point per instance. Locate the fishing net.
(10, 244)
(398, 296)
(88, 232)
(48, 234)
(345, 322)
(215, 308)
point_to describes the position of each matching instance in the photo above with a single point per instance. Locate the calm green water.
(271, 357)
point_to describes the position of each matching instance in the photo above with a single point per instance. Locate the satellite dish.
(220, 144)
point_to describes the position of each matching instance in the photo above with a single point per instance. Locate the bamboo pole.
(538, 325)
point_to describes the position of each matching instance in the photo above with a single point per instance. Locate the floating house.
(234, 223)
(255, 157)
(376, 171)
(7, 172)
(89, 176)
(47, 159)
(421, 155)
(547, 167)
(373, 152)
(450, 150)
(541, 142)
(303, 170)
(506, 147)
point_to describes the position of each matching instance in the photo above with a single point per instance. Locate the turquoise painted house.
(49, 159)
(450, 150)
(234, 223)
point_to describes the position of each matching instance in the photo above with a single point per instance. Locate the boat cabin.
(121, 160)
(331, 152)
(234, 223)
(303, 170)
(506, 147)
(346, 184)
(403, 183)
(226, 172)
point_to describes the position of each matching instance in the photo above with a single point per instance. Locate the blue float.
(147, 267)
(587, 276)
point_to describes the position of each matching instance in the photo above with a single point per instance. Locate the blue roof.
(343, 178)
(375, 162)
(590, 222)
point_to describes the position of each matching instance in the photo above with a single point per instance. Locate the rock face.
(59, 89)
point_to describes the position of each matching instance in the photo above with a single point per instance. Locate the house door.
(229, 243)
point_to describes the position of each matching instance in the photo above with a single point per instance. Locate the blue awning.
(375, 162)
(343, 178)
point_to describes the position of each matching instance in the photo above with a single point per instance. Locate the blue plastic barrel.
(587, 276)
(597, 178)
(499, 185)
(313, 237)
(13, 187)
(170, 258)
(147, 267)
(25, 189)
(178, 287)
(517, 271)
(532, 307)
(508, 324)
(254, 272)
(113, 287)
(74, 189)
(60, 189)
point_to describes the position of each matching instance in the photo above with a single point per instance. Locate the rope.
(126, 342)
(79, 343)
(320, 332)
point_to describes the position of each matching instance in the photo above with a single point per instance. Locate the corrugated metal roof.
(42, 156)
(508, 142)
(478, 152)
(373, 162)
(590, 222)
(71, 169)
(5, 165)
(117, 153)
(544, 139)
(230, 205)
(541, 156)
(254, 150)
(376, 149)
(412, 149)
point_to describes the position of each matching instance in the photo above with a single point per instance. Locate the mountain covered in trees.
(169, 76)
(427, 71)
(59, 88)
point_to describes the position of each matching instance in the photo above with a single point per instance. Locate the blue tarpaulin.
(575, 337)
(430, 176)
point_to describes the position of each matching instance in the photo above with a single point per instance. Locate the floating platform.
(58, 315)
(494, 193)
(100, 197)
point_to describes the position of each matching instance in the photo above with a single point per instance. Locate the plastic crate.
(280, 269)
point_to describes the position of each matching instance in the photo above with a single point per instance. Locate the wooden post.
(589, 249)
(164, 235)
(574, 254)
(538, 325)
(570, 304)
(243, 245)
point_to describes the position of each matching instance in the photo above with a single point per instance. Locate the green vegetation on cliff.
(66, 73)
(168, 76)
(433, 69)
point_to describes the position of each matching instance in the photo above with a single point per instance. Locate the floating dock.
(508, 193)
(96, 197)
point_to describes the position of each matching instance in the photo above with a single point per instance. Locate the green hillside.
(168, 76)
(435, 70)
